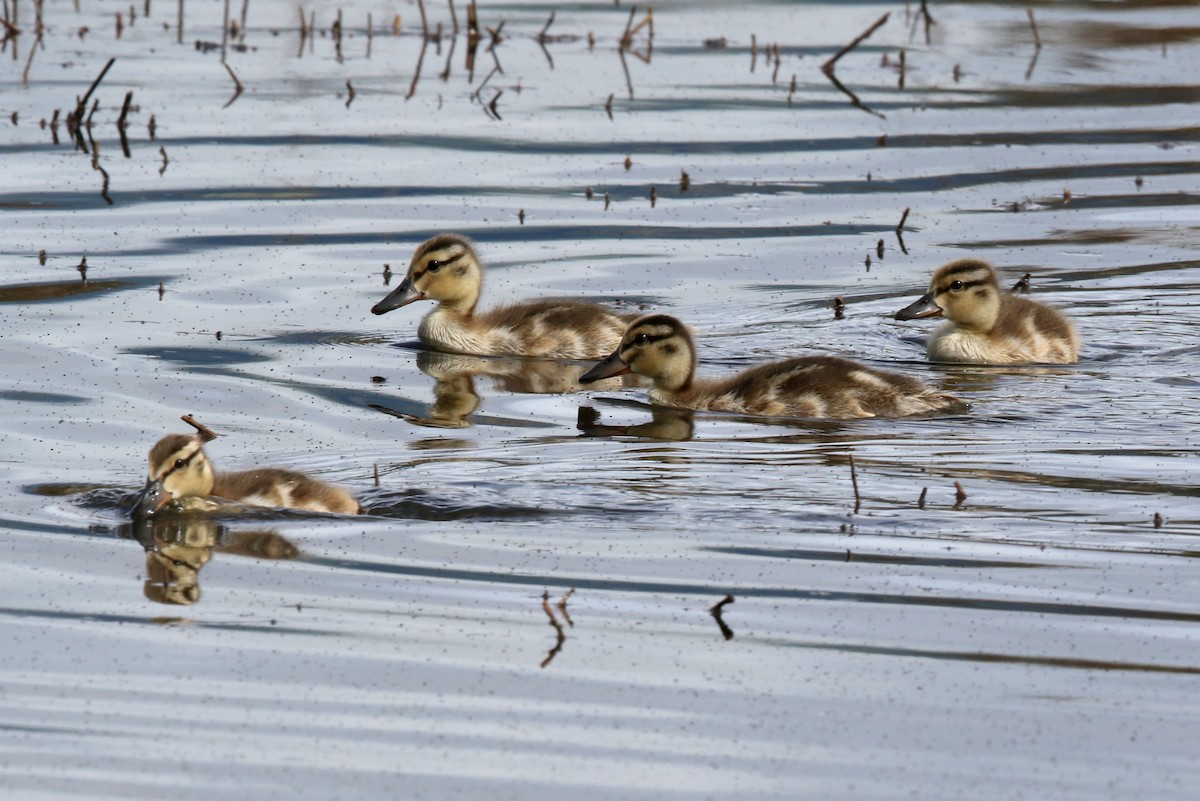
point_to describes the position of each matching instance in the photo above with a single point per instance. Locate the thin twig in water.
(29, 61)
(854, 481)
(205, 433)
(558, 630)
(541, 40)
(1037, 39)
(237, 86)
(350, 92)
(562, 606)
(412, 87)
(424, 21)
(716, 611)
(828, 66)
(162, 151)
(921, 500)
(903, 219)
(121, 123)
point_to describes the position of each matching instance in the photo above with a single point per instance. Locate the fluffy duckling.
(987, 325)
(180, 469)
(660, 348)
(446, 269)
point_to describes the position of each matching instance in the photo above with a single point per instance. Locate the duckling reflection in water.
(986, 325)
(668, 425)
(660, 347)
(178, 547)
(447, 270)
(181, 472)
(454, 395)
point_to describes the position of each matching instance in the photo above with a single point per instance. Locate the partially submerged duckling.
(446, 269)
(987, 325)
(660, 347)
(180, 469)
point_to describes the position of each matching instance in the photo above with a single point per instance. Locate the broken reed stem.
(827, 67)
(424, 21)
(903, 219)
(205, 433)
(121, 121)
(921, 500)
(350, 93)
(29, 61)
(562, 607)
(237, 85)
(558, 629)
(453, 17)
(412, 87)
(225, 32)
(82, 104)
(1037, 40)
(716, 611)
(546, 27)
(626, 36)
(854, 481)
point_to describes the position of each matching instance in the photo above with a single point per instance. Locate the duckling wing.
(825, 386)
(287, 489)
(1039, 333)
(562, 329)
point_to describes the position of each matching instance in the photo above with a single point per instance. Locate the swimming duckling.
(446, 269)
(180, 469)
(660, 348)
(988, 326)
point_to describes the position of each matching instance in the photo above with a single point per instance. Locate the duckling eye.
(956, 286)
(641, 339)
(434, 265)
(179, 463)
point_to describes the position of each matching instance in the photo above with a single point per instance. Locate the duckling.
(180, 469)
(446, 269)
(660, 348)
(988, 326)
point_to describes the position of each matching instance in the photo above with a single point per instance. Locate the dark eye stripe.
(441, 263)
(185, 464)
(648, 339)
(965, 285)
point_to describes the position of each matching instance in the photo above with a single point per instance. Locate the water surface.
(1035, 639)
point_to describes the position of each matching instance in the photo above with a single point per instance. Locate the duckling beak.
(613, 365)
(152, 498)
(402, 295)
(924, 306)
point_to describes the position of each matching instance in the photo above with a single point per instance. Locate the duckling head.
(658, 347)
(964, 291)
(178, 469)
(444, 269)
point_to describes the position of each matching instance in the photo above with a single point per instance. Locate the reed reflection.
(179, 546)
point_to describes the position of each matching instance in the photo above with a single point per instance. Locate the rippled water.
(1037, 638)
